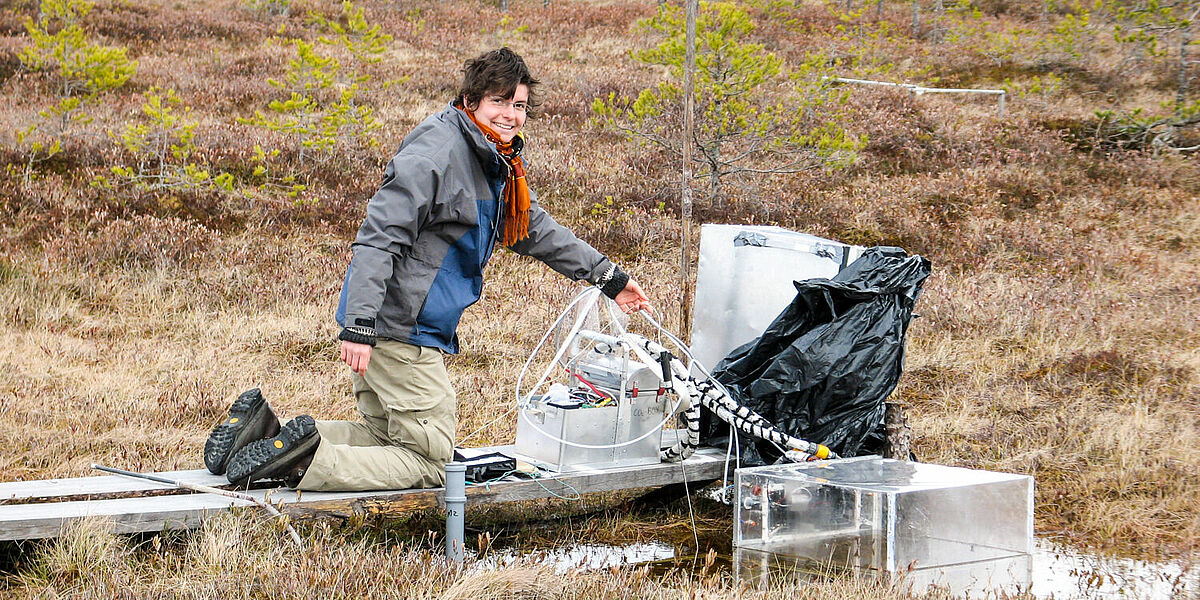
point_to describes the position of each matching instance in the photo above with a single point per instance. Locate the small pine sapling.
(162, 147)
(321, 110)
(753, 115)
(366, 42)
(83, 71)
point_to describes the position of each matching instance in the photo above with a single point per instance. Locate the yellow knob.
(278, 444)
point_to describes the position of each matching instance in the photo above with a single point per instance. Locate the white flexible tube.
(690, 397)
(589, 296)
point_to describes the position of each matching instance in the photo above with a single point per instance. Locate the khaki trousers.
(407, 433)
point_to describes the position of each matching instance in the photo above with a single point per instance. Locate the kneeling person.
(454, 190)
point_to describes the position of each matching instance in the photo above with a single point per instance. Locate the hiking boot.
(250, 418)
(276, 457)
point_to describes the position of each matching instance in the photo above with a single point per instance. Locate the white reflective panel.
(745, 280)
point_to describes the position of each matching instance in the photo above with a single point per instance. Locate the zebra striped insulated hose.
(711, 395)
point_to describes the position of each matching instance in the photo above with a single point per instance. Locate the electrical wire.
(488, 424)
(537, 478)
(589, 297)
(689, 393)
(687, 493)
(576, 375)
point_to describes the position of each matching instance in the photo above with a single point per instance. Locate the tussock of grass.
(86, 548)
(237, 555)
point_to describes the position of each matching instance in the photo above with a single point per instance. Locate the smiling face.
(505, 116)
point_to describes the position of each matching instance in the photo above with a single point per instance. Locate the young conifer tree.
(82, 71)
(754, 115)
(323, 108)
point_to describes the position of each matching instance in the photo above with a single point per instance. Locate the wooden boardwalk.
(40, 509)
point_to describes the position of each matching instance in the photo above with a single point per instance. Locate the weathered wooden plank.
(28, 521)
(79, 488)
(706, 464)
(14, 492)
(128, 515)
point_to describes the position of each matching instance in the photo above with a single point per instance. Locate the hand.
(632, 298)
(357, 356)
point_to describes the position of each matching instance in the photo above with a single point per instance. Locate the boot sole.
(249, 419)
(272, 458)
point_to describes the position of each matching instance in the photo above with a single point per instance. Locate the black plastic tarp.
(823, 368)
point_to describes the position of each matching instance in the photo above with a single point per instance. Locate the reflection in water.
(1068, 573)
(583, 557)
(1058, 572)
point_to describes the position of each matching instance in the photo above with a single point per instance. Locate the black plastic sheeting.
(822, 370)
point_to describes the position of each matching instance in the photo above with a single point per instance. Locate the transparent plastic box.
(964, 529)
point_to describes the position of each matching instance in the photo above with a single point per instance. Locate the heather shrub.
(627, 230)
(145, 25)
(903, 134)
(141, 241)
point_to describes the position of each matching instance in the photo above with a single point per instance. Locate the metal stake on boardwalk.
(195, 487)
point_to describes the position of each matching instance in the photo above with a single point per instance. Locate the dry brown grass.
(1057, 336)
(235, 556)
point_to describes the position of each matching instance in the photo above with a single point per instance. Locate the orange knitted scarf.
(516, 191)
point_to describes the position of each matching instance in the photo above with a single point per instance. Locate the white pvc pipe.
(916, 89)
(456, 508)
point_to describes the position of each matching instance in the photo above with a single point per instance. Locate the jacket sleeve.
(394, 215)
(562, 251)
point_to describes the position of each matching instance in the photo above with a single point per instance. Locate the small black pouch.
(484, 466)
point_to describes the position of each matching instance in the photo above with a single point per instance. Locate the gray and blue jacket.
(430, 229)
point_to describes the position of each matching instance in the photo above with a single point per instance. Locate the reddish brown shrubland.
(143, 241)
(1057, 336)
(148, 26)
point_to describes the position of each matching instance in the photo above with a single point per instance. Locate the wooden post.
(899, 434)
(685, 201)
(916, 19)
(1185, 40)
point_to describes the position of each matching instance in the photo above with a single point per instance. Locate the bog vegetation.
(182, 181)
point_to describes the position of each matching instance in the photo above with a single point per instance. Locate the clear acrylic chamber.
(967, 530)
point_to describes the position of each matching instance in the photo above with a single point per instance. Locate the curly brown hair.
(497, 73)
